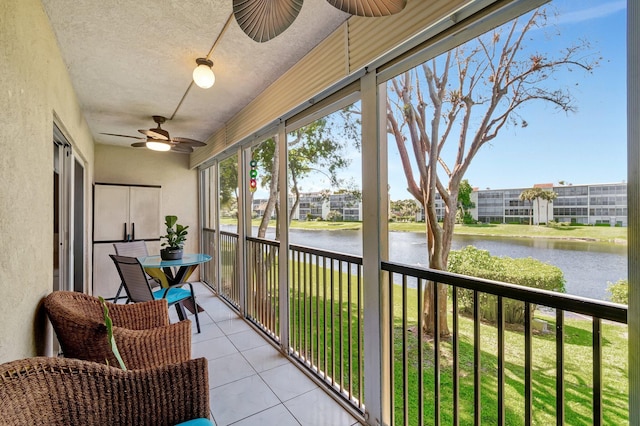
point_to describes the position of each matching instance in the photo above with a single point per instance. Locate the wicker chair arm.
(59, 391)
(157, 346)
(140, 316)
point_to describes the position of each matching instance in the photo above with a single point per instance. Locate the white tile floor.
(250, 381)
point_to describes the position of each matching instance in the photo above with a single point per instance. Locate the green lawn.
(578, 376)
(321, 320)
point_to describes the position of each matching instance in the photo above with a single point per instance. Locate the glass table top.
(187, 260)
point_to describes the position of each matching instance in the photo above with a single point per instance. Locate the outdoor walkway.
(250, 382)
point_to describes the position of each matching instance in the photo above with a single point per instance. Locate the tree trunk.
(428, 304)
(274, 192)
(262, 264)
(296, 197)
(438, 245)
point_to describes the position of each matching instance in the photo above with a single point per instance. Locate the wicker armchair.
(62, 391)
(142, 331)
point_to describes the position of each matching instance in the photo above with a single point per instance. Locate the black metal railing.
(326, 318)
(229, 285)
(467, 376)
(209, 268)
(475, 348)
(263, 287)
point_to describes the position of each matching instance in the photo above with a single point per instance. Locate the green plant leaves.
(175, 238)
(112, 341)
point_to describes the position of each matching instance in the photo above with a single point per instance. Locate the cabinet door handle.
(125, 237)
(133, 231)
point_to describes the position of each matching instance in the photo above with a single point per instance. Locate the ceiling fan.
(158, 139)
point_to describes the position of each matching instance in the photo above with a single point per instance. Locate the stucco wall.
(139, 166)
(34, 87)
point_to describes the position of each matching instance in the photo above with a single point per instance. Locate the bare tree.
(468, 95)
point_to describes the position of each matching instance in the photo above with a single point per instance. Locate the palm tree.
(529, 195)
(548, 195)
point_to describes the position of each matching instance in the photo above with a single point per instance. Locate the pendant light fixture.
(203, 74)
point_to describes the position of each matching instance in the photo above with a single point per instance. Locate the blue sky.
(582, 147)
(587, 146)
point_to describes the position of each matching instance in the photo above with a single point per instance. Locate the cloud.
(596, 12)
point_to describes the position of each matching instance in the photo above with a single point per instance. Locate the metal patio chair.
(139, 290)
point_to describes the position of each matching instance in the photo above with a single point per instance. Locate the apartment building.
(593, 204)
(315, 205)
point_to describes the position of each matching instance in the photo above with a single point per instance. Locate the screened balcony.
(327, 313)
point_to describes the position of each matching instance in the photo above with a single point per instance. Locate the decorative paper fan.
(369, 8)
(263, 20)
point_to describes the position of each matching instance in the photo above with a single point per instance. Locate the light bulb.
(203, 74)
(158, 146)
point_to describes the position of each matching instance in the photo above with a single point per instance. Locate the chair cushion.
(196, 422)
(174, 295)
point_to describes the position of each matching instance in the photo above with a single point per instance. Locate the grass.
(578, 233)
(313, 333)
(578, 373)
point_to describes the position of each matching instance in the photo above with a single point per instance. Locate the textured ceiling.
(131, 59)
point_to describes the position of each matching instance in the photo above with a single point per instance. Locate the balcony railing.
(326, 318)
(229, 285)
(477, 349)
(263, 305)
(467, 377)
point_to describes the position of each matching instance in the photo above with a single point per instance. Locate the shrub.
(334, 216)
(468, 219)
(619, 291)
(528, 272)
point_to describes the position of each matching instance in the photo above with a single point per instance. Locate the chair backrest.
(78, 321)
(131, 248)
(133, 277)
(64, 391)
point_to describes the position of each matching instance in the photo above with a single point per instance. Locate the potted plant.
(175, 238)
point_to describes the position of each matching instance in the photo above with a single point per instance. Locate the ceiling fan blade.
(182, 149)
(369, 8)
(189, 142)
(122, 136)
(263, 20)
(139, 144)
(155, 133)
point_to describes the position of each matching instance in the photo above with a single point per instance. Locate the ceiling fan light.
(158, 146)
(203, 74)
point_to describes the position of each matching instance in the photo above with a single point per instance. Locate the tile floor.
(250, 382)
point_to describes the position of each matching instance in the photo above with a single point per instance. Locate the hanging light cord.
(215, 43)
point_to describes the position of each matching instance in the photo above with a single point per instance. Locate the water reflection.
(587, 266)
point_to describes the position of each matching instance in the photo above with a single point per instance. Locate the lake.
(587, 266)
